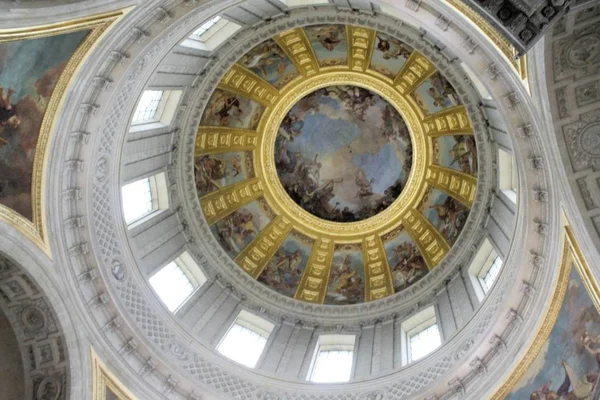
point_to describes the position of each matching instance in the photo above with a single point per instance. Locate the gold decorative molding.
(98, 24)
(217, 139)
(451, 121)
(583, 268)
(244, 82)
(457, 184)
(378, 277)
(254, 258)
(40, 31)
(296, 45)
(361, 42)
(217, 205)
(313, 286)
(432, 244)
(308, 224)
(414, 72)
(103, 380)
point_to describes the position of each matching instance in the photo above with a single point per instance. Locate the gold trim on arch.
(103, 379)
(36, 230)
(571, 255)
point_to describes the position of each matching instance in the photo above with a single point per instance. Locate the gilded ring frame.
(309, 224)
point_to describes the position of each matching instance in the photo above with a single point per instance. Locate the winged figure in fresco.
(329, 37)
(263, 57)
(291, 127)
(392, 49)
(464, 152)
(8, 116)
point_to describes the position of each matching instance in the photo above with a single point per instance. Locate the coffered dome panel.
(335, 164)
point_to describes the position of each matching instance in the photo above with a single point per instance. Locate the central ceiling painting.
(335, 164)
(343, 153)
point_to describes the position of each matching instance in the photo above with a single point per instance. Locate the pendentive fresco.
(29, 72)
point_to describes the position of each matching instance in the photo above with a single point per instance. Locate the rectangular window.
(205, 27)
(490, 276)
(333, 359)
(176, 281)
(245, 340)
(147, 108)
(300, 3)
(424, 341)
(420, 335)
(155, 109)
(484, 268)
(507, 174)
(143, 197)
(137, 200)
(211, 34)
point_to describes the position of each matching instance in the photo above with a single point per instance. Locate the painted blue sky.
(322, 134)
(23, 62)
(383, 167)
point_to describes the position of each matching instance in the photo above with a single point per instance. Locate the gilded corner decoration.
(37, 65)
(105, 385)
(289, 155)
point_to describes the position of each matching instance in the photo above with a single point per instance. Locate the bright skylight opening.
(137, 200)
(332, 366)
(206, 26)
(424, 342)
(333, 358)
(298, 3)
(172, 285)
(148, 106)
(211, 34)
(490, 277)
(508, 179)
(245, 341)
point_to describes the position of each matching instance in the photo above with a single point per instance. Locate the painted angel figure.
(329, 37)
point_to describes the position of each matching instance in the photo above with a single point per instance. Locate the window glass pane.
(148, 106)
(490, 276)
(172, 285)
(206, 26)
(137, 200)
(332, 366)
(242, 345)
(424, 342)
(294, 3)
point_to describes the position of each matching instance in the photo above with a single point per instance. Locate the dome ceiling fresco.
(335, 164)
(343, 153)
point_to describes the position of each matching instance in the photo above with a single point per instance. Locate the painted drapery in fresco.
(29, 72)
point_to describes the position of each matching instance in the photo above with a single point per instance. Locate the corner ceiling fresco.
(335, 164)
(567, 365)
(29, 73)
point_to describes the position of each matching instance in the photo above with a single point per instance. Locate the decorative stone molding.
(42, 342)
(521, 22)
